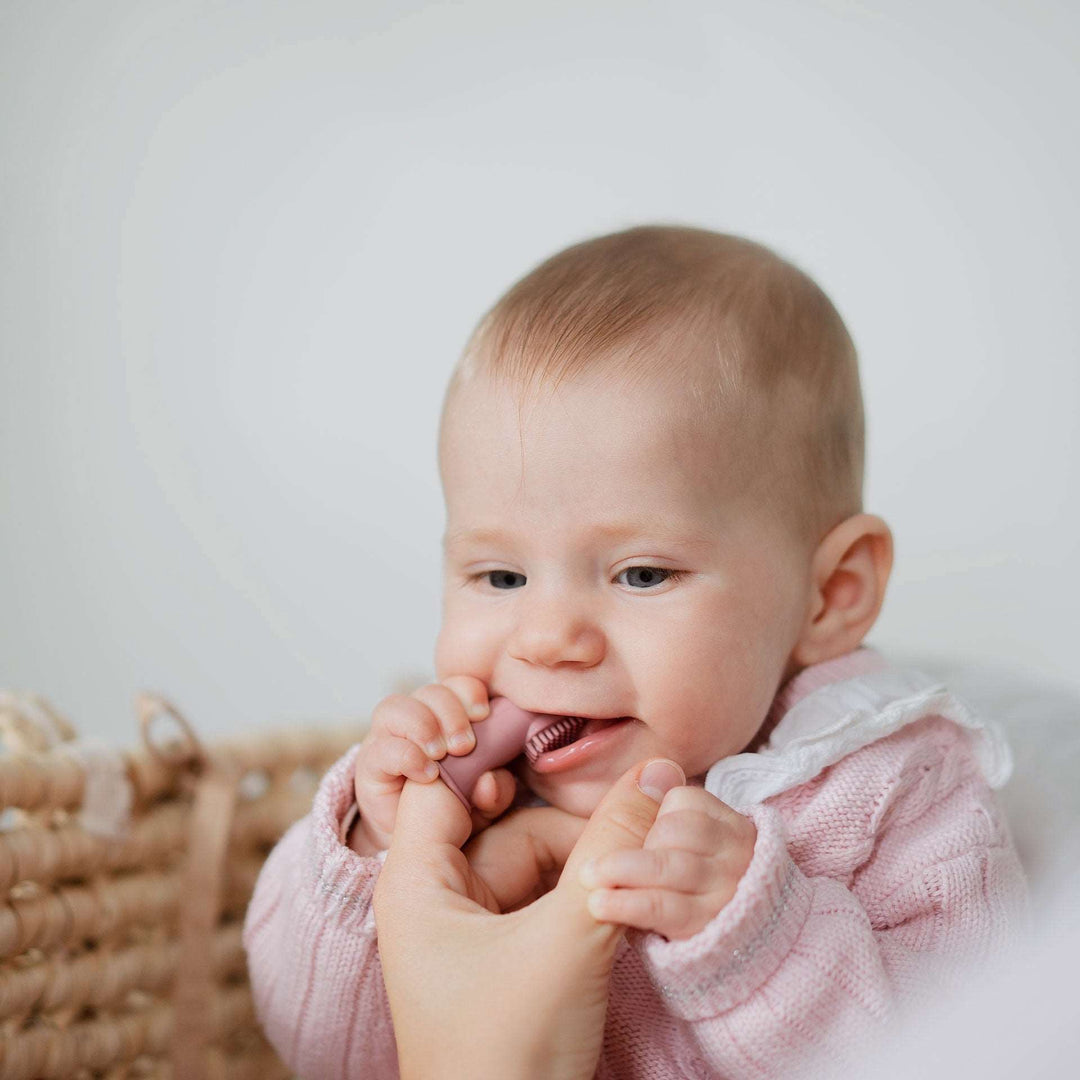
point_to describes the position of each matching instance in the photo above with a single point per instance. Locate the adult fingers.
(429, 815)
(426, 881)
(621, 821)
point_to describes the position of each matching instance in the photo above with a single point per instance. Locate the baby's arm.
(309, 932)
(313, 959)
(885, 907)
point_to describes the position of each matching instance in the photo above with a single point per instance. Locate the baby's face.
(603, 561)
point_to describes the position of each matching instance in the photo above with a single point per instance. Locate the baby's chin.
(578, 797)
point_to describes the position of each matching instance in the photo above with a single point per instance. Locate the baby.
(652, 458)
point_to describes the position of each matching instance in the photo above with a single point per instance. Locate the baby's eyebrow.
(611, 531)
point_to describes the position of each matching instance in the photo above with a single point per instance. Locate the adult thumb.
(621, 820)
(428, 815)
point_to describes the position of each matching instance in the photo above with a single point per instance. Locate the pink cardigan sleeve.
(901, 876)
(312, 954)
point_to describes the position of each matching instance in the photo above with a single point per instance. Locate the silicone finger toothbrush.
(506, 732)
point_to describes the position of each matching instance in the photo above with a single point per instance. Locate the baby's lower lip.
(586, 748)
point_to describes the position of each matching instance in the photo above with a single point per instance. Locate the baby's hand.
(522, 855)
(408, 735)
(694, 857)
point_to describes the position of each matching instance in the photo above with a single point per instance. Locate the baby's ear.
(849, 572)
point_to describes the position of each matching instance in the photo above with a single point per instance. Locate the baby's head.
(652, 457)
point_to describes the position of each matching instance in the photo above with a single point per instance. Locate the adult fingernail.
(659, 777)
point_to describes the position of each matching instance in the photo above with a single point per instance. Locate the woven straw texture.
(125, 877)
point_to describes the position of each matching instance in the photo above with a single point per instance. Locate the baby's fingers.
(409, 718)
(387, 760)
(660, 911)
(471, 692)
(454, 730)
(662, 868)
(491, 797)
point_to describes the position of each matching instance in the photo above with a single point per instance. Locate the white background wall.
(242, 244)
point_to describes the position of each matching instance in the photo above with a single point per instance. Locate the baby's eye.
(502, 579)
(649, 576)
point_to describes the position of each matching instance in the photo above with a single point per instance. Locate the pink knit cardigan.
(882, 872)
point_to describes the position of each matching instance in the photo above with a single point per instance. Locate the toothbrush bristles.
(554, 737)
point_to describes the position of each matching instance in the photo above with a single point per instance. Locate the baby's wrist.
(357, 838)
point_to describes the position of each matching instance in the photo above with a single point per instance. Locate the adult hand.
(515, 996)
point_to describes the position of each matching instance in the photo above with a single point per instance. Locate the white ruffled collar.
(831, 710)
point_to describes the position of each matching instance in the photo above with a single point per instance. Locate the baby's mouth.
(548, 733)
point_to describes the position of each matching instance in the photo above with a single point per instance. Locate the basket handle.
(214, 801)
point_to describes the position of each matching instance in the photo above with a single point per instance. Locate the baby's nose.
(551, 638)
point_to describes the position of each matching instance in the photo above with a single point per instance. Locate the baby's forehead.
(587, 448)
(614, 416)
(645, 444)
(687, 414)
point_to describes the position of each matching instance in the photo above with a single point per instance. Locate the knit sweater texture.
(883, 875)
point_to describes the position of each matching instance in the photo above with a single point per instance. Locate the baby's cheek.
(442, 657)
(453, 655)
(468, 642)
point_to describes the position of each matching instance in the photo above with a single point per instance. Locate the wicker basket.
(126, 876)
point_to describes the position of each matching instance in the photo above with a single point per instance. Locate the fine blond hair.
(750, 343)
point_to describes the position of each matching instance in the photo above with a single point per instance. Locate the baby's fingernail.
(435, 749)
(587, 875)
(462, 741)
(478, 711)
(431, 770)
(486, 788)
(659, 777)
